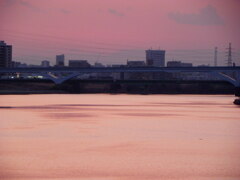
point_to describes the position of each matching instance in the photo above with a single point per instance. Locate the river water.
(112, 137)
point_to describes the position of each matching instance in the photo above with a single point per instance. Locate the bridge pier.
(237, 91)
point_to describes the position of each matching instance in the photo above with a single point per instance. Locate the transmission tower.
(229, 55)
(215, 56)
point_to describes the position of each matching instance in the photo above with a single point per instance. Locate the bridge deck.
(118, 69)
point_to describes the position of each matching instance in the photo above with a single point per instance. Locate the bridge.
(61, 74)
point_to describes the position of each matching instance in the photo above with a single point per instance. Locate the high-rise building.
(155, 58)
(5, 55)
(60, 60)
(45, 63)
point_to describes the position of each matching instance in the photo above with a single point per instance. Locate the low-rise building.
(45, 63)
(78, 63)
(136, 63)
(97, 64)
(178, 64)
(19, 64)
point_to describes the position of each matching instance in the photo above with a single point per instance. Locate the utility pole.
(229, 55)
(215, 56)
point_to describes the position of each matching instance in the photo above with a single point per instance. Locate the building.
(174, 64)
(79, 63)
(5, 55)
(178, 64)
(186, 64)
(135, 63)
(15, 64)
(45, 63)
(60, 60)
(203, 65)
(117, 65)
(97, 64)
(155, 58)
(18, 64)
(34, 65)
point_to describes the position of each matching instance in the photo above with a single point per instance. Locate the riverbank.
(116, 87)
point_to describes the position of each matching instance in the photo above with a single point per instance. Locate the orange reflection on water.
(127, 137)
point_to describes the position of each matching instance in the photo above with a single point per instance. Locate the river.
(119, 137)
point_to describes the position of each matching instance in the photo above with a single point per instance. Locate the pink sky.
(111, 31)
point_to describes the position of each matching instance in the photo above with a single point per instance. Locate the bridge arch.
(60, 80)
(225, 77)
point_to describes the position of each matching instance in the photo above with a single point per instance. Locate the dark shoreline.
(116, 87)
(32, 93)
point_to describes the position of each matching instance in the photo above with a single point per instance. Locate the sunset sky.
(112, 31)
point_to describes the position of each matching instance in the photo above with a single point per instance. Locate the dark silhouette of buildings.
(155, 58)
(5, 55)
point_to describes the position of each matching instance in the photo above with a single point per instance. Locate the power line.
(64, 39)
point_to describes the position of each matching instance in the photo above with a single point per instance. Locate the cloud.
(30, 6)
(114, 12)
(9, 3)
(65, 11)
(207, 16)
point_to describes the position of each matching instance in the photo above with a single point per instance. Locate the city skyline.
(149, 60)
(210, 61)
(112, 32)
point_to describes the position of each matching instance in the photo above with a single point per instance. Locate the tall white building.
(60, 60)
(155, 58)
